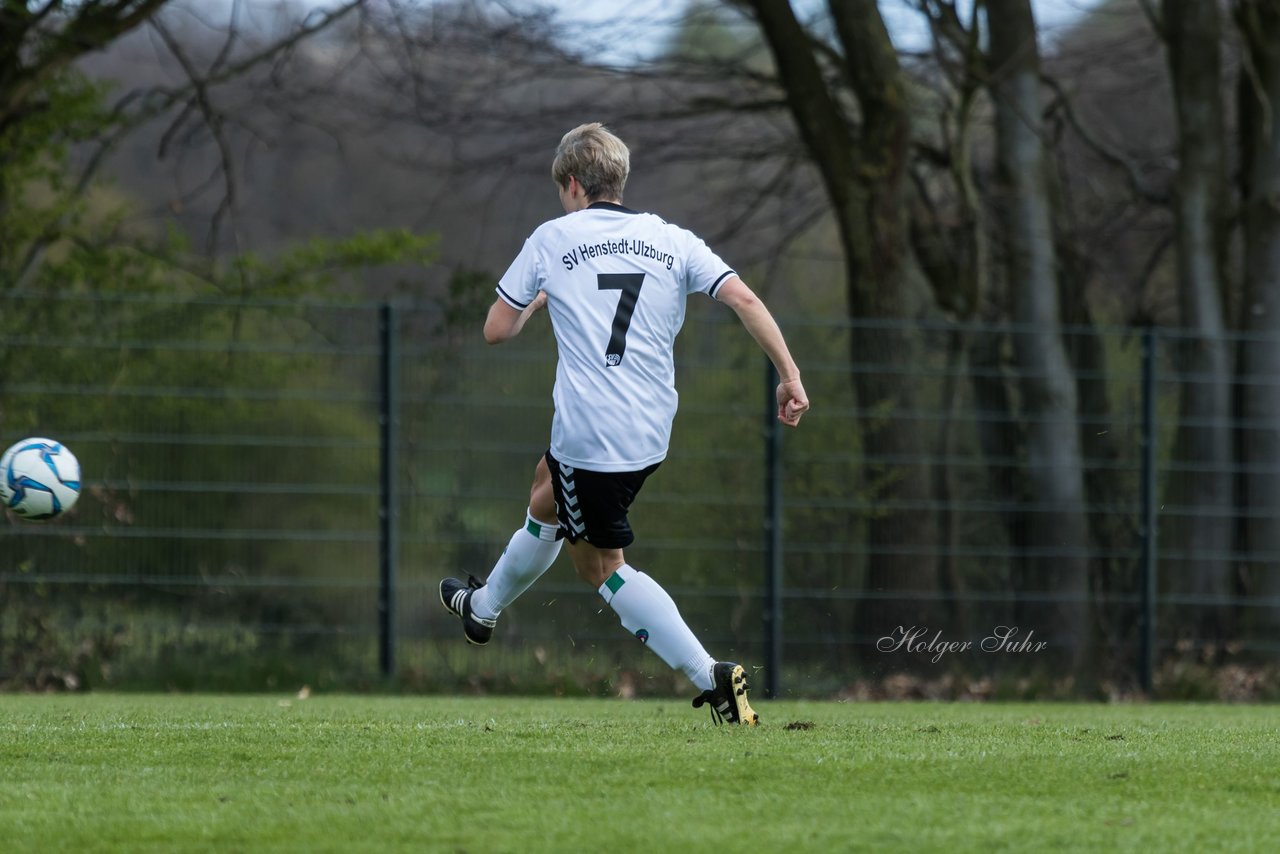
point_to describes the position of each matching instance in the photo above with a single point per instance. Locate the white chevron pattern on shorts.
(569, 492)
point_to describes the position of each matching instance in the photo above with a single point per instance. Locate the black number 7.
(629, 284)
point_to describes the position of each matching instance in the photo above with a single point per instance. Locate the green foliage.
(69, 110)
(315, 267)
(39, 195)
(470, 293)
(41, 649)
(712, 32)
(63, 232)
(136, 325)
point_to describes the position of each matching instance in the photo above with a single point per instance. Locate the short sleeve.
(524, 278)
(704, 271)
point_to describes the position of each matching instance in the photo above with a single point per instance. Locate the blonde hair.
(599, 160)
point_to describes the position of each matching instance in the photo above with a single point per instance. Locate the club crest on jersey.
(613, 359)
(643, 636)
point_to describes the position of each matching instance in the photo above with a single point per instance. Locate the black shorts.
(592, 505)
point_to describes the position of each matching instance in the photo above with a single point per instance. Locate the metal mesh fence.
(232, 528)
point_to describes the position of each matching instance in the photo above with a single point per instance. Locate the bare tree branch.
(140, 106)
(38, 53)
(1138, 182)
(202, 102)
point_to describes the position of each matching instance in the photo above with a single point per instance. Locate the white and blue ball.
(39, 479)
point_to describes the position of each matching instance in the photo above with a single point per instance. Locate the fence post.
(388, 535)
(773, 537)
(1146, 657)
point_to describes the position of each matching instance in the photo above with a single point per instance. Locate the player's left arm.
(505, 321)
(755, 316)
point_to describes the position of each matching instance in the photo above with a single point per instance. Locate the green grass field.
(250, 773)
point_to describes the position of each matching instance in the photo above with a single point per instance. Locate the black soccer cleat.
(728, 699)
(456, 598)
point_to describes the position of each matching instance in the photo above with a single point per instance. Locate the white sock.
(649, 613)
(530, 553)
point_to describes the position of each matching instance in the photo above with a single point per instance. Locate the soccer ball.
(39, 479)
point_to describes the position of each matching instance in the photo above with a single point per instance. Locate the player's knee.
(542, 504)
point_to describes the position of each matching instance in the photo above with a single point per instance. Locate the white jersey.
(616, 282)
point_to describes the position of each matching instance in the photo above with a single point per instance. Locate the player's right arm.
(505, 321)
(792, 400)
(520, 293)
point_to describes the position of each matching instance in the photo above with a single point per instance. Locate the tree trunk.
(1259, 369)
(1053, 592)
(1202, 485)
(1112, 578)
(864, 175)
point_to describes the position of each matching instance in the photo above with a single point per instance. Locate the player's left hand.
(792, 402)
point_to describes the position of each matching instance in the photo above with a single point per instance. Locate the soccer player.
(614, 281)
